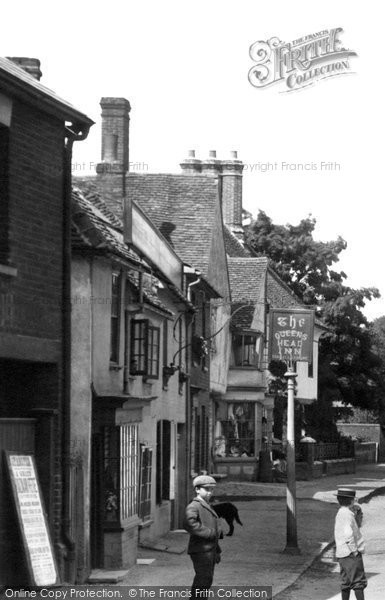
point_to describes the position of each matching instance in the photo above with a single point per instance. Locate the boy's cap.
(345, 492)
(204, 480)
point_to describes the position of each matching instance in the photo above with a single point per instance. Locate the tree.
(377, 333)
(349, 367)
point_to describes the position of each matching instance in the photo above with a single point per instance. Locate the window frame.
(121, 466)
(145, 483)
(142, 345)
(152, 361)
(115, 319)
(257, 336)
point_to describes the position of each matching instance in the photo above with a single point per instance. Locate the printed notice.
(32, 520)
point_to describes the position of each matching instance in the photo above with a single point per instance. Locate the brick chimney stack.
(191, 165)
(211, 166)
(115, 137)
(30, 65)
(232, 192)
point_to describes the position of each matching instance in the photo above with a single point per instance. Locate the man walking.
(202, 523)
(349, 546)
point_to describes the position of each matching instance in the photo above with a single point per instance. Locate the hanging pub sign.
(291, 335)
(35, 536)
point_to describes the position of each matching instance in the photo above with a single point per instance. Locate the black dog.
(228, 512)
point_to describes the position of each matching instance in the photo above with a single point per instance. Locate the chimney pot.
(212, 166)
(191, 165)
(30, 65)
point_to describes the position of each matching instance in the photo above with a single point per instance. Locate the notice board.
(35, 535)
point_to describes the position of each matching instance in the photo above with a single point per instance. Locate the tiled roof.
(20, 79)
(247, 278)
(233, 246)
(279, 294)
(148, 296)
(95, 227)
(186, 210)
(183, 208)
(93, 188)
(243, 316)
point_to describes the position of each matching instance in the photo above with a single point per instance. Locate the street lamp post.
(291, 507)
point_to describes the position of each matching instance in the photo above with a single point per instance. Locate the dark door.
(163, 457)
(97, 504)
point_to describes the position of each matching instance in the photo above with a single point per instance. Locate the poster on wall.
(32, 520)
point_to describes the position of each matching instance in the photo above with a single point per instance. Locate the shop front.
(239, 431)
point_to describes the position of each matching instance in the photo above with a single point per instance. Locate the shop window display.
(235, 427)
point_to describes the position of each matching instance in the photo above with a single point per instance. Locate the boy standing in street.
(349, 546)
(202, 523)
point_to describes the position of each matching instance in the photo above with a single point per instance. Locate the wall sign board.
(27, 497)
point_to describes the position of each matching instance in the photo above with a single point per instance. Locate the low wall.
(305, 471)
(339, 466)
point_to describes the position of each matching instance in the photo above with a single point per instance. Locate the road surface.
(321, 580)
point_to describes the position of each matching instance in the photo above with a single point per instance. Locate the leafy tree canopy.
(349, 364)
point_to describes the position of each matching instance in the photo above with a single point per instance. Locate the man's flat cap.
(204, 480)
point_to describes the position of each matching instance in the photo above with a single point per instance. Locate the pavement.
(254, 555)
(322, 580)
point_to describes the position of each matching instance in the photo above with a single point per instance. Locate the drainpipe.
(190, 285)
(72, 135)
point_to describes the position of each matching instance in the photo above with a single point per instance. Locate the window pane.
(245, 350)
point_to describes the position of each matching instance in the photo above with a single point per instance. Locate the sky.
(184, 68)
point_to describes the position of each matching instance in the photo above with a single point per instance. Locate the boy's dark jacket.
(202, 523)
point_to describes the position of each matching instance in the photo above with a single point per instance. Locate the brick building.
(37, 130)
